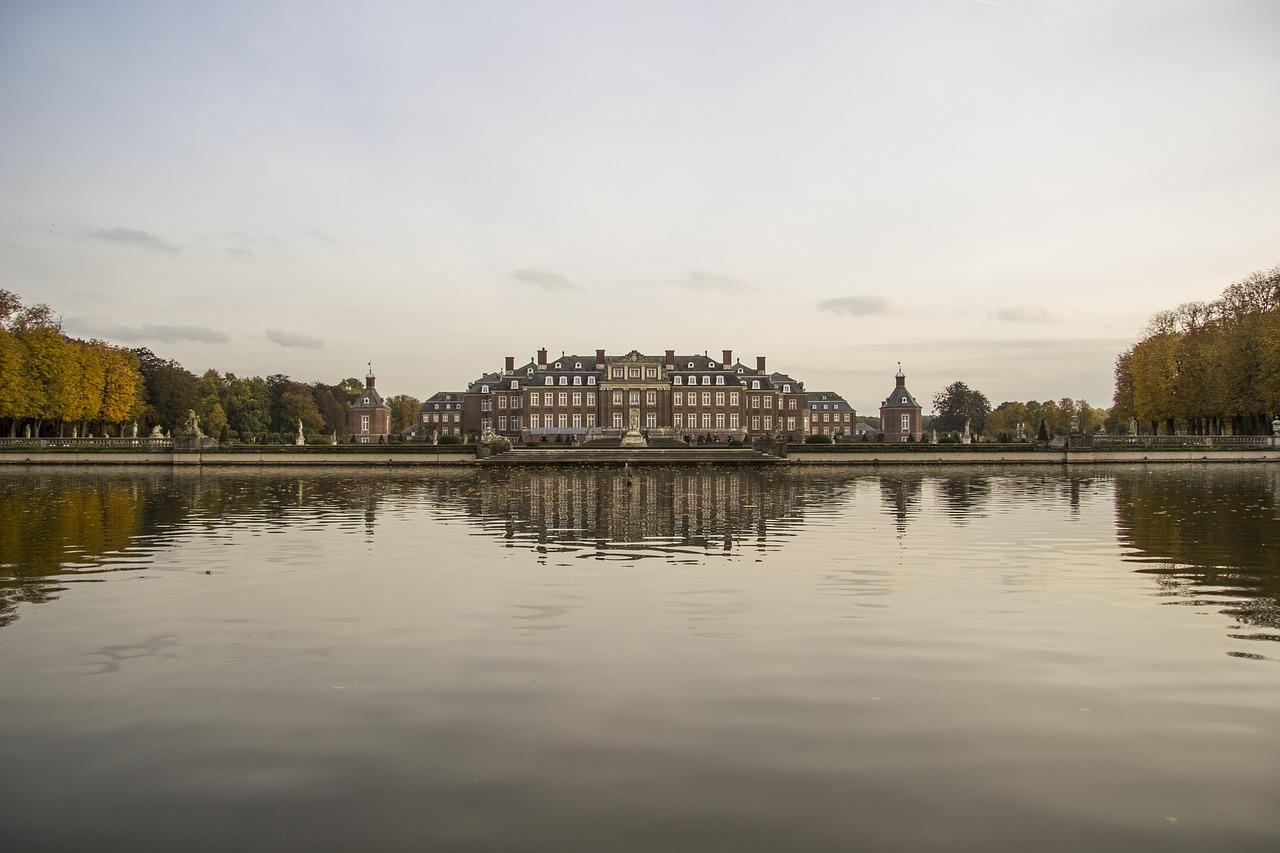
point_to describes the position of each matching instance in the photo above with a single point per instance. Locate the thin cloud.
(294, 339)
(545, 280)
(320, 235)
(101, 327)
(238, 252)
(857, 306)
(134, 237)
(1023, 314)
(711, 281)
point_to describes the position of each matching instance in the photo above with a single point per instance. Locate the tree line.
(54, 384)
(958, 404)
(1207, 368)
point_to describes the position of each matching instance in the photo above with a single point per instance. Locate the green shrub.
(449, 439)
(818, 439)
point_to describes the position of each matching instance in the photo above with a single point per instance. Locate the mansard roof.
(369, 398)
(900, 397)
(827, 401)
(443, 400)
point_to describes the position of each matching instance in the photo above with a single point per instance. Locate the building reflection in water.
(653, 510)
(1206, 533)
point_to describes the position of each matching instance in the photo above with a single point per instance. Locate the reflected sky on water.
(689, 659)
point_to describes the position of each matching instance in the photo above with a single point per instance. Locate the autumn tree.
(958, 403)
(404, 412)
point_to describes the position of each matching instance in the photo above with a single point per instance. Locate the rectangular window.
(719, 420)
(651, 420)
(533, 421)
(577, 399)
(617, 420)
(791, 424)
(651, 397)
(768, 423)
(706, 421)
(791, 404)
(635, 398)
(634, 373)
(502, 402)
(768, 402)
(733, 420)
(364, 423)
(706, 398)
(906, 423)
(502, 422)
(651, 372)
(733, 398)
(755, 423)
(617, 398)
(533, 399)
(577, 421)
(755, 401)
(679, 420)
(457, 419)
(677, 399)
(826, 418)
(591, 399)
(617, 373)
(564, 398)
(564, 422)
(591, 420)
(719, 398)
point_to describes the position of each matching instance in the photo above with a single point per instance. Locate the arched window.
(719, 380)
(755, 384)
(515, 385)
(577, 365)
(484, 389)
(675, 380)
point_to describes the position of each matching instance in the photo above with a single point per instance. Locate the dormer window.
(484, 389)
(515, 385)
(739, 369)
(529, 372)
(786, 389)
(557, 365)
(711, 365)
(904, 399)
(691, 365)
(551, 380)
(706, 380)
(675, 380)
(755, 384)
(577, 365)
(577, 380)
(719, 380)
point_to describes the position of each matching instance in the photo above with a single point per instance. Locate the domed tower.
(369, 418)
(901, 417)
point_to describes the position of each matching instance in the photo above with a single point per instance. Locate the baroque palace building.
(583, 398)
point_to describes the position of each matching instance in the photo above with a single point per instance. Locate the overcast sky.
(997, 192)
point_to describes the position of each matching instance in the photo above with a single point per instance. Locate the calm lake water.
(701, 660)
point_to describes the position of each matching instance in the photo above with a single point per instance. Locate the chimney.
(511, 364)
(760, 364)
(542, 359)
(671, 359)
(599, 359)
(728, 358)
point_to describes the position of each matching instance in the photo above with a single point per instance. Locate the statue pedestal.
(633, 438)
